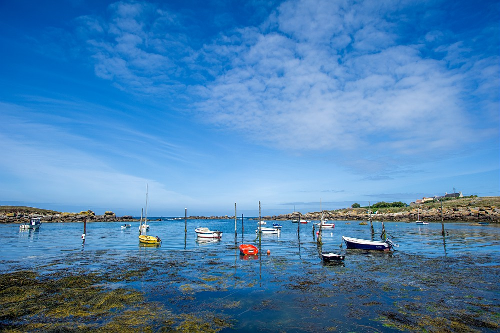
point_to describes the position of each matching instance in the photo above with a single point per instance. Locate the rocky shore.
(478, 209)
(483, 209)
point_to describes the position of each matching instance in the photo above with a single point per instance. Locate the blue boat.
(363, 244)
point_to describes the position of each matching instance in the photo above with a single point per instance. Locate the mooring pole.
(84, 230)
(235, 233)
(185, 219)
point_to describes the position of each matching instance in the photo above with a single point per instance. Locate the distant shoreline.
(479, 209)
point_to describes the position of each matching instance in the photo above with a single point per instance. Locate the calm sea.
(290, 289)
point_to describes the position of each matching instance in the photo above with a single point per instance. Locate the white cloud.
(317, 75)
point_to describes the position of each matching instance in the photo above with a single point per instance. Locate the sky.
(300, 104)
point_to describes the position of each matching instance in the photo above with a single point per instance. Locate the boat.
(277, 226)
(326, 225)
(143, 227)
(267, 230)
(34, 223)
(262, 222)
(418, 222)
(304, 221)
(203, 232)
(146, 239)
(125, 226)
(363, 244)
(332, 257)
(248, 249)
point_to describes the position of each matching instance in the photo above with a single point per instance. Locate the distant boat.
(262, 222)
(203, 232)
(34, 224)
(363, 244)
(326, 225)
(418, 222)
(277, 226)
(267, 230)
(125, 226)
(248, 249)
(304, 221)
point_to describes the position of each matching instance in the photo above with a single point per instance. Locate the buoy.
(83, 236)
(268, 252)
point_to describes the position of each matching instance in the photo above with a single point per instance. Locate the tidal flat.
(430, 283)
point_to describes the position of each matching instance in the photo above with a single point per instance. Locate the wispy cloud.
(315, 75)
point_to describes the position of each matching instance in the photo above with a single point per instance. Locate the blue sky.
(211, 103)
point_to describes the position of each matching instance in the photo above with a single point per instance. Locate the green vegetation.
(355, 205)
(384, 204)
(26, 210)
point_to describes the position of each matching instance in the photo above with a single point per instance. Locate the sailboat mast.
(146, 216)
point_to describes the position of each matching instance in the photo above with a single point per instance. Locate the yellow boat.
(146, 239)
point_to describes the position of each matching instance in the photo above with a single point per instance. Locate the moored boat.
(34, 223)
(326, 225)
(143, 227)
(146, 239)
(421, 222)
(248, 249)
(267, 230)
(125, 226)
(203, 232)
(364, 244)
(332, 257)
(277, 226)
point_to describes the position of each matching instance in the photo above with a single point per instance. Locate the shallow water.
(430, 282)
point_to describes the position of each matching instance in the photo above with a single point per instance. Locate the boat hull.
(248, 249)
(264, 230)
(206, 233)
(146, 239)
(332, 257)
(363, 244)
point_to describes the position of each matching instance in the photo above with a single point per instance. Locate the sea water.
(290, 289)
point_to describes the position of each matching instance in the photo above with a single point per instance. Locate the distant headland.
(469, 209)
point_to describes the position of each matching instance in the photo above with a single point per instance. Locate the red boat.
(248, 249)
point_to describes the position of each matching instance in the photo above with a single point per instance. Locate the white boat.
(326, 225)
(418, 222)
(34, 224)
(203, 232)
(143, 227)
(364, 244)
(125, 226)
(262, 222)
(267, 230)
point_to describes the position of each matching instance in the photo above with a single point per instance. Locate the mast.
(146, 216)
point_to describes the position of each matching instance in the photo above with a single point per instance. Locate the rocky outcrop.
(471, 214)
(65, 217)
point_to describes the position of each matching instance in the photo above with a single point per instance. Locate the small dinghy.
(332, 257)
(248, 249)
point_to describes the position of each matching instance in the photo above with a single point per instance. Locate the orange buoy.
(268, 252)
